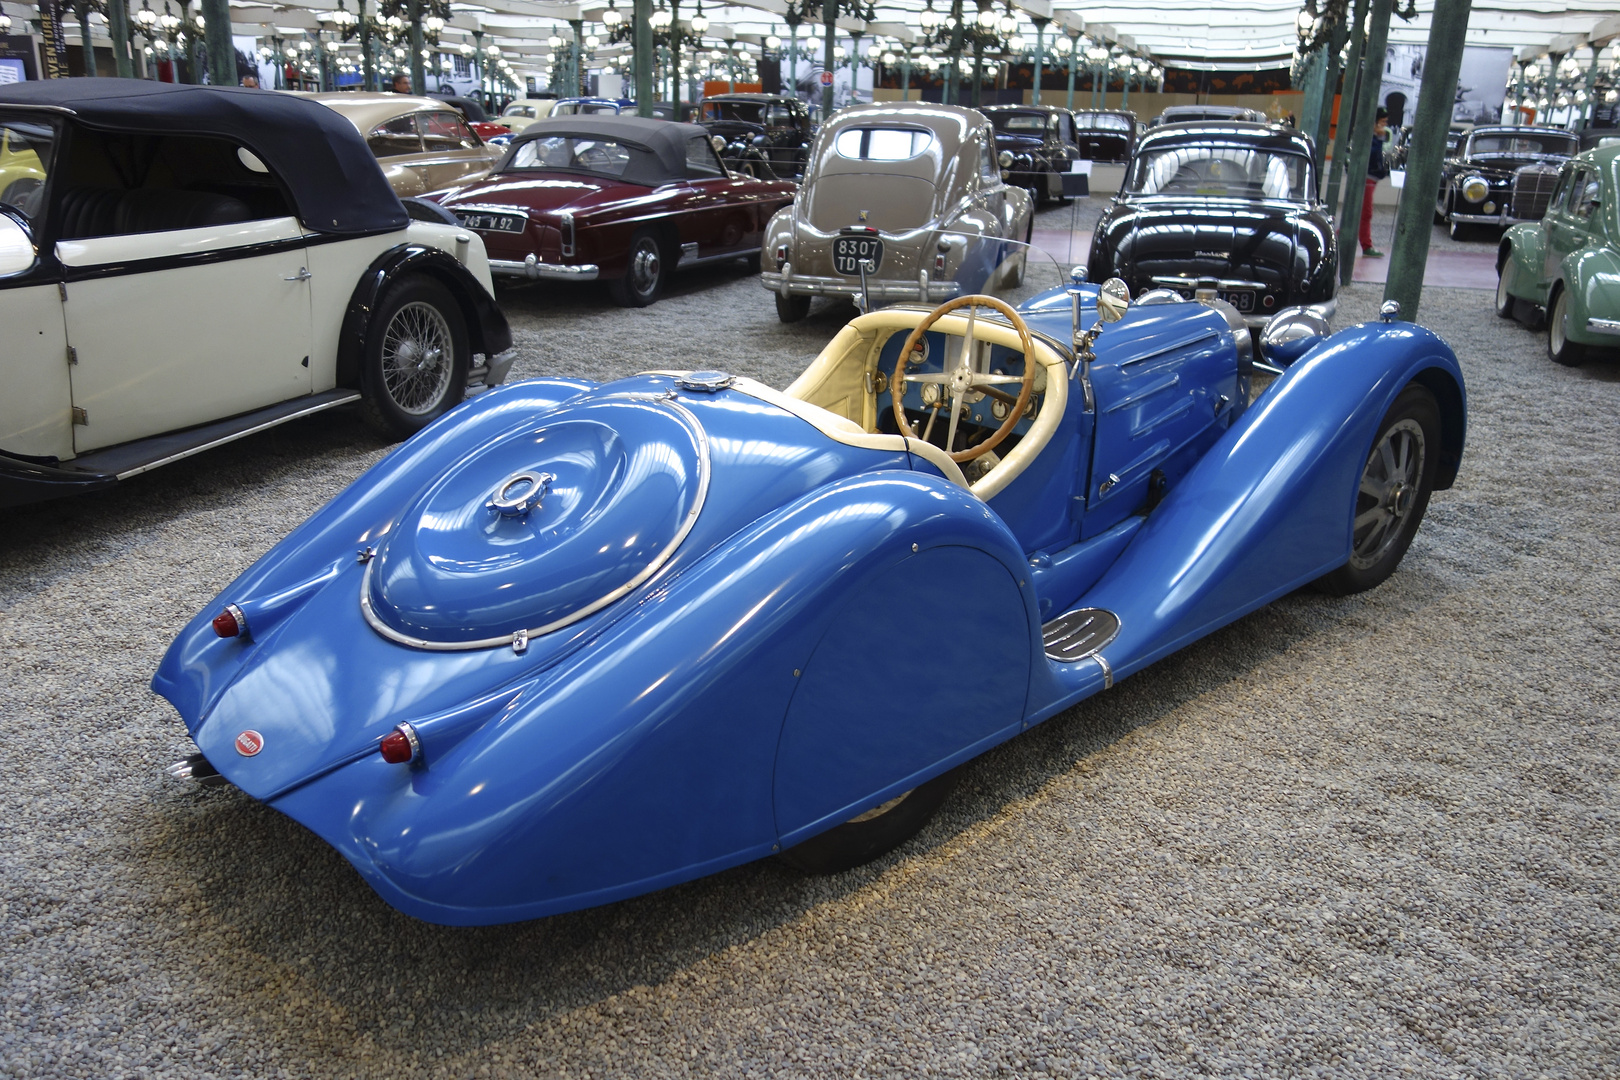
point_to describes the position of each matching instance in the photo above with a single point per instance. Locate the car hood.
(645, 479)
(541, 191)
(1223, 239)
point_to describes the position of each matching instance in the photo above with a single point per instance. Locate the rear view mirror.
(1113, 297)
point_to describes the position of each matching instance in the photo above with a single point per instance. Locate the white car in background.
(190, 264)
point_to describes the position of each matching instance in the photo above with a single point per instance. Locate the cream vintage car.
(899, 201)
(423, 144)
(199, 263)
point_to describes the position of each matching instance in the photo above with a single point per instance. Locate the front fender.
(647, 757)
(1592, 276)
(1269, 507)
(1525, 245)
(487, 328)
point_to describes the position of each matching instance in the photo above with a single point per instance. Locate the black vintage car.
(1230, 208)
(1193, 114)
(1035, 146)
(1108, 136)
(1500, 176)
(766, 135)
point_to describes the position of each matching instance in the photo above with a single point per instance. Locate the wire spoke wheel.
(416, 358)
(1389, 488)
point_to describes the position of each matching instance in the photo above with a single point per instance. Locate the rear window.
(1020, 123)
(1221, 172)
(568, 152)
(882, 144)
(1102, 121)
(1522, 144)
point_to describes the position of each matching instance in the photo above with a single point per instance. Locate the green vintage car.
(1567, 265)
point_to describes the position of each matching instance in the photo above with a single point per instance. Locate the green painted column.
(1347, 102)
(1040, 57)
(1074, 43)
(118, 30)
(1323, 121)
(217, 36)
(642, 37)
(1311, 83)
(829, 12)
(1360, 147)
(1414, 224)
(418, 72)
(953, 74)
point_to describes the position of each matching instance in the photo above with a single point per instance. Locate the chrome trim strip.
(233, 436)
(1182, 281)
(785, 285)
(725, 256)
(513, 640)
(1603, 326)
(533, 269)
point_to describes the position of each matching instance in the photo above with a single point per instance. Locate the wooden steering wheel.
(963, 380)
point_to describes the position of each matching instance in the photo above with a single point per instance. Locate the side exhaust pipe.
(196, 767)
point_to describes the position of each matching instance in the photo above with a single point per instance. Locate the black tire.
(406, 381)
(1410, 431)
(1013, 281)
(644, 277)
(1442, 209)
(752, 262)
(1560, 349)
(792, 309)
(1459, 230)
(1505, 302)
(879, 830)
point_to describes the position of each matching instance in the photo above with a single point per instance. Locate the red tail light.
(230, 622)
(400, 745)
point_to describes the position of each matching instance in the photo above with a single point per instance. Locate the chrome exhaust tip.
(196, 767)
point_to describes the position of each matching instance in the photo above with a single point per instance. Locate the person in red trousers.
(1376, 171)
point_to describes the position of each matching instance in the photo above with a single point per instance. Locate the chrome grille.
(1532, 190)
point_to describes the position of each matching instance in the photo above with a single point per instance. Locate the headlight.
(1005, 159)
(1475, 188)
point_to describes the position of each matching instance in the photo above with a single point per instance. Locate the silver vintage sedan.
(900, 201)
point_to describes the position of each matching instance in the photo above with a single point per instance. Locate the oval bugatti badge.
(248, 743)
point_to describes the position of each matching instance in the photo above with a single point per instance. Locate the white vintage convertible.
(184, 265)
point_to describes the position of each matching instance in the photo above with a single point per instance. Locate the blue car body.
(723, 632)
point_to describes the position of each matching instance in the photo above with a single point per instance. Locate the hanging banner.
(54, 46)
(1481, 83)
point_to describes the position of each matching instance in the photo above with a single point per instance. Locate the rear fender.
(647, 757)
(1592, 276)
(1269, 507)
(487, 329)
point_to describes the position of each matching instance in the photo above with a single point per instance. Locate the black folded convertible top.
(333, 178)
(663, 142)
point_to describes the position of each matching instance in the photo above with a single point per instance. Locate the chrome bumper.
(1603, 326)
(1490, 219)
(534, 269)
(785, 282)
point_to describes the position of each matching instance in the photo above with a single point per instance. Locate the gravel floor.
(1352, 838)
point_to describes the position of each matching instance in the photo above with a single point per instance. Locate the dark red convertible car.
(614, 198)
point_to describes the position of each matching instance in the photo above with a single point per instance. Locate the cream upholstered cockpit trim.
(842, 381)
(844, 430)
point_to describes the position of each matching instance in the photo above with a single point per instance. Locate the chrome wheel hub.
(1389, 489)
(416, 358)
(644, 267)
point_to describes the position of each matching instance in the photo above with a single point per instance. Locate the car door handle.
(302, 275)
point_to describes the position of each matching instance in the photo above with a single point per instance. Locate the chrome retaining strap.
(519, 639)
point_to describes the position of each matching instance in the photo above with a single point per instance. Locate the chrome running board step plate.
(1077, 634)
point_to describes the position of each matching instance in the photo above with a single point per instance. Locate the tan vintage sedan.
(423, 144)
(899, 201)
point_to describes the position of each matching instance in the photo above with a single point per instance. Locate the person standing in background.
(1376, 171)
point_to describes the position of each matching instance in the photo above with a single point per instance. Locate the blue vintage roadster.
(575, 642)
